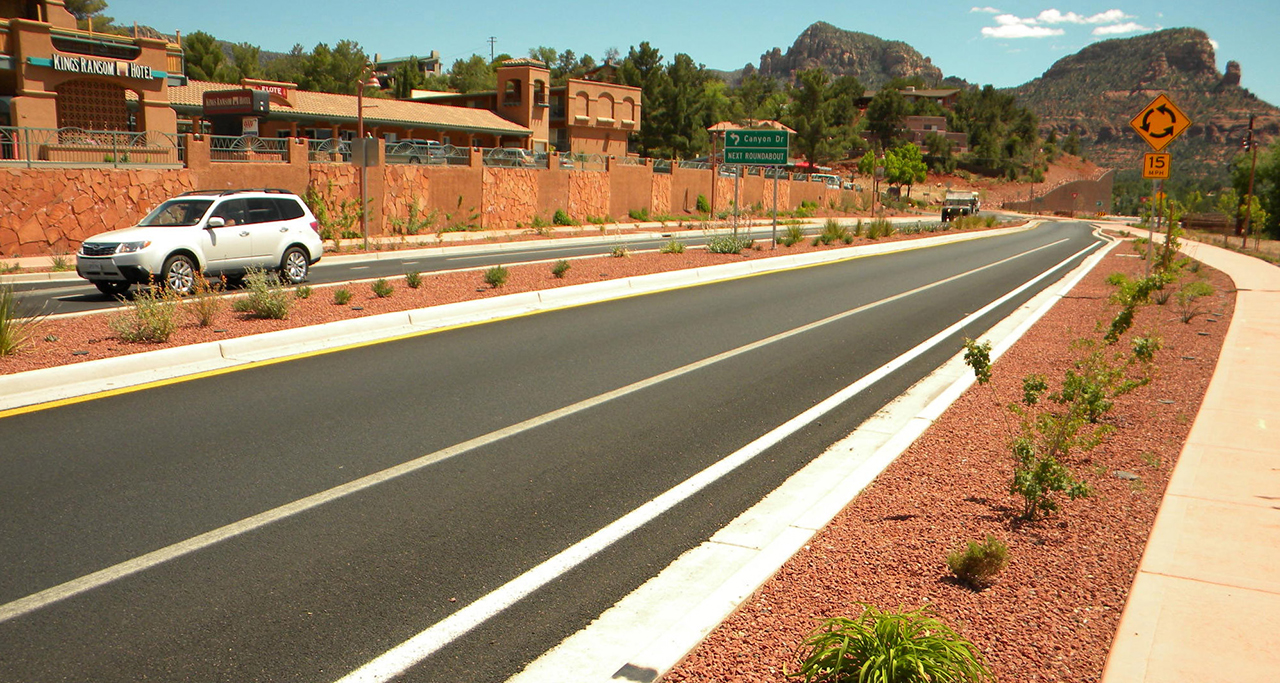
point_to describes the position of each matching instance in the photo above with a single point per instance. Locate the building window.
(91, 105)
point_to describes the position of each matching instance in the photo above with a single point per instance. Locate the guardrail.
(662, 165)
(700, 165)
(227, 148)
(506, 157)
(584, 162)
(629, 161)
(81, 147)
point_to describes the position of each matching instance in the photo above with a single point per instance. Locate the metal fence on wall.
(78, 146)
(248, 148)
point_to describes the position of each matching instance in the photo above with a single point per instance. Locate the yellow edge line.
(72, 400)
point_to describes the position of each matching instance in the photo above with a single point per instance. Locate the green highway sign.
(758, 147)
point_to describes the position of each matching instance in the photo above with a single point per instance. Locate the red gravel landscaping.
(1052, 614)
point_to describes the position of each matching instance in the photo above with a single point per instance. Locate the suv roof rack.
(223, 193)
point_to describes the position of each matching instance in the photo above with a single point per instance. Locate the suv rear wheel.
(294, 265)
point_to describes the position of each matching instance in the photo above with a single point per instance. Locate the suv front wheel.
(294, 265)
(179, 274)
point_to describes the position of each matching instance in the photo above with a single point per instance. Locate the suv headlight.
(130, 247)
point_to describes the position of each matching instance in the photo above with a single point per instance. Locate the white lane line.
(134, 565)
(401, 658)
(360, 267)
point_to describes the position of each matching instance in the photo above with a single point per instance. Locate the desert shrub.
(889, 647)
(1145, 348)
(341, 296)
(793, 234)
(727, 244)
(205, 301)
(18, 323)
(562, 217)
(620, 252)
(266, 297)
(151, 316)
(560, 268)
(639, 215)
(1188, 297)
(302, 292)
(976, 564)
(703, 205)
(381, 288)
(496, 276)
(672, 247)
(880, 227)
(806, 209)
(413, 279)
(833, 232)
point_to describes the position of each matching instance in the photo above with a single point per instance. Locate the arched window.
(582, 104)
(627, 109)
(511, 95)
(540, 93)
(91, 105)
(604, 107)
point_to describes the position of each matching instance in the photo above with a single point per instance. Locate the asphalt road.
(314, 595)
(78, 296)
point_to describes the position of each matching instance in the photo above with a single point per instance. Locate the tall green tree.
(248, 60)
(406, 78)
(206, 61)
(885, 115)
(473, 75)
(904, 165)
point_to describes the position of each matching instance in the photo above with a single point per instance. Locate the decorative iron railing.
(81, 147)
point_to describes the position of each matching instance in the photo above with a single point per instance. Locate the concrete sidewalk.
(1205, 604)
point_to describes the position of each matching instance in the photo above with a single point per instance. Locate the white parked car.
(211, 232)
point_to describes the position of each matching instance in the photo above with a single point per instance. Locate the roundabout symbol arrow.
(1146, 122)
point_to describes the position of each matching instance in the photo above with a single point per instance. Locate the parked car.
(415, 152)
(831, 181)
(207, 232)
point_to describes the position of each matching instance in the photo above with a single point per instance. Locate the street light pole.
(1248, 201)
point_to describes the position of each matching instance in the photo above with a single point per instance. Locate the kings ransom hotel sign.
(100, 67)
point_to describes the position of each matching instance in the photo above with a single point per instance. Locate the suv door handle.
(244, 233)
(284, 229)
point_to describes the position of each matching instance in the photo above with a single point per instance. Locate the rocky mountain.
(1098, 90)
(874, 61)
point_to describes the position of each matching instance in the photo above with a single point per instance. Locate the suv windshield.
(177, 212)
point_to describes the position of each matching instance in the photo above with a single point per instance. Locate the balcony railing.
(248, 148)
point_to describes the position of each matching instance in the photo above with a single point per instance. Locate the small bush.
(151, 316)
(907, 647)
(205, 302)
(794, 234)
(302, 292)
(806, 209)
(413, 279)
(978, 563)
(833, 232)
(561, 217)
(17, 322)
(560, 268)
(703, 205)
(381, 288)
(672, 247)
(341, 296)
(61, 263)
(639, 215)
(727, 244)
(880, 227)
(1188, 296)
(1145, 347)
(496, 276)
(620, 252)
(266, 297)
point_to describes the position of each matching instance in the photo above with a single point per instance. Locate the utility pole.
(492, 40)
(1248, 201)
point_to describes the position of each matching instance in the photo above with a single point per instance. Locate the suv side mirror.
(215, 222)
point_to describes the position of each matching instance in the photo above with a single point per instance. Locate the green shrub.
(620, 252)
(561, 217)
(496, 276)
(1188, 296)
(833, 232)
(978, 563)
(703, 205)
(1145, 348)
(18, 322)
(560, 268)
(889, 647)
(205, 301)
(341, 296)
(727, 244)
(302, 292)
(151, 316)
(639, 215)
(266, 297)
(880, 227)
(381, 288)
(672, 247)
(413, 279)
(793, 234)
(61, 263)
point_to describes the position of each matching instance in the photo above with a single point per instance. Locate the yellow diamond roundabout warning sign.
(1160, 122)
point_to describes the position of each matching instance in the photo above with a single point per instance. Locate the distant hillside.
(874, 61)
(1099, 89)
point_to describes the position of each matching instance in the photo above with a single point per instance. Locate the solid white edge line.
(399, 659)
(48, 596)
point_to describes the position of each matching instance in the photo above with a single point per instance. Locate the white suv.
(217, 233)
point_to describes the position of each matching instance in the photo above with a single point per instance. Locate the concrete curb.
(646, 634)
(34, 387)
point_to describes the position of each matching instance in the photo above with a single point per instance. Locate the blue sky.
(987, 41)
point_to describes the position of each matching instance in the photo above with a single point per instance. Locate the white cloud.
(1020, 31)
(1214, 43)
(1053, 16)
(984, 10)
(1117, 29)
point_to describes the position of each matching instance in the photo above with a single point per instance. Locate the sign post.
(1159, 123)
(758, 148)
